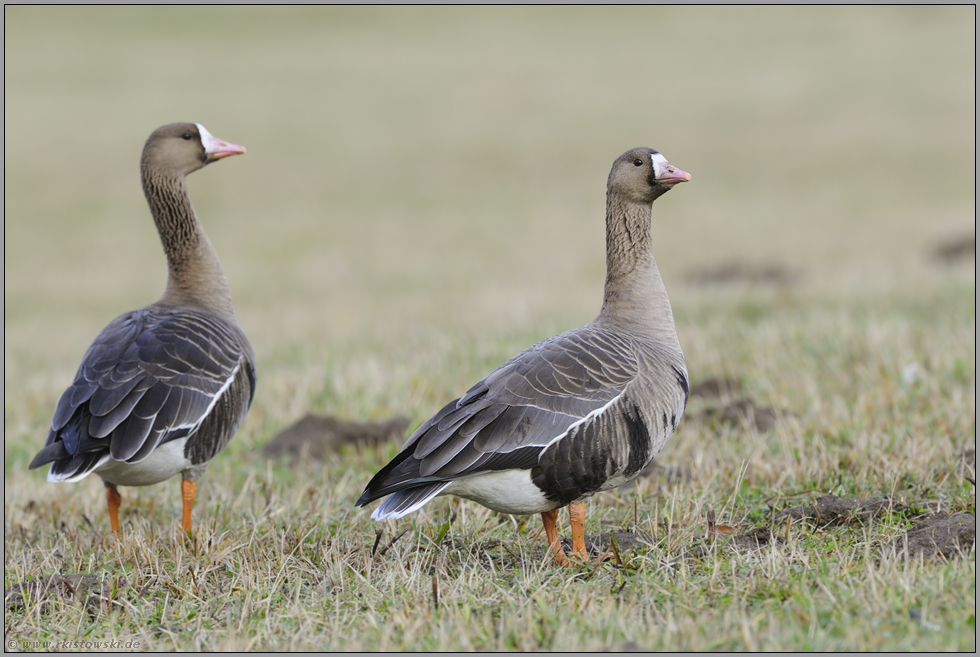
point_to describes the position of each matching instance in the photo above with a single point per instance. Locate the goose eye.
(186, 135)
(638, 162)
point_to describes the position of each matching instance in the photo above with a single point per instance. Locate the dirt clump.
(744, 414)
(955, 249)
(317, 436)
(938, 534)
(716, 387)
(739, 272)
(601, 543)
(750, 541)
(831, 511)
(93, 592)
(755, 539)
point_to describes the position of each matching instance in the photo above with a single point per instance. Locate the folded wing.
(508, 418)
(151, 376)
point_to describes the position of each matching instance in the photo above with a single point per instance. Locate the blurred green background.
(436, 176)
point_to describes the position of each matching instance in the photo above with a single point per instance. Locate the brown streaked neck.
(634, 296)
(194, 272)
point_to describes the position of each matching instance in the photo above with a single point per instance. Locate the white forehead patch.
(658, 161)
(207, 139)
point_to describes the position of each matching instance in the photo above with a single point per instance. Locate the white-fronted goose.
(163, 388)
(578, 413)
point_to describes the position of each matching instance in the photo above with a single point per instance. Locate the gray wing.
(151, 376)
(509, 417)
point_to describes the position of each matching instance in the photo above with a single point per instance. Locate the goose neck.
(195, 275)
(634, 294)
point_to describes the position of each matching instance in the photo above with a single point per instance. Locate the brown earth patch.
(716, 387)
(750, 541)
(317, 436)
(938, 534)
(755, 539)
(831, 511)
(955, 249)
(602, 543)
(744, 414)
(740, 272)
(93, 592)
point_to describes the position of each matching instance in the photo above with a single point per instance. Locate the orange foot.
(188, 491)
(550, 520)
(114, 499)
(576, 516)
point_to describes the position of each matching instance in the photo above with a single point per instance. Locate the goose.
(578, 413)
(164, 388)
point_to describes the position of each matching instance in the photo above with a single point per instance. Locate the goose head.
(642, 175)
(178, 149)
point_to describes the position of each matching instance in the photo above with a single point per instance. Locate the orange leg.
(114, 499)
(188, 491)
(550, 520)
(576, 516)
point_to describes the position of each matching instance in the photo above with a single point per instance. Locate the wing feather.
(128, 437)
(75, 396)
(104, 424)
(111, 394)
(509, 417)
(152, 375)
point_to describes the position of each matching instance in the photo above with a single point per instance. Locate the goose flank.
(576, 414)
(164, 388)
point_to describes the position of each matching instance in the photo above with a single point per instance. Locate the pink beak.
(218, 149)
(671, 175)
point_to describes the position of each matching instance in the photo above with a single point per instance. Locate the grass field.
(423, 197)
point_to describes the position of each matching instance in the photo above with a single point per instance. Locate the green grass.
(422, 197)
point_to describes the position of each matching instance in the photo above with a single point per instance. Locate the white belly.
(507, 491)
(163, 463)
